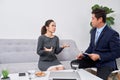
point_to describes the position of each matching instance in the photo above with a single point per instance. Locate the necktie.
(96, 36)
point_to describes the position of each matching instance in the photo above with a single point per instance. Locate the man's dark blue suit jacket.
(107, 46)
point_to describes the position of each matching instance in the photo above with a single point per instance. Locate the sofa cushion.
(24, 67)
(19, 67)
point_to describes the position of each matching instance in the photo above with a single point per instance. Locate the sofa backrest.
(24, 50)
(18, 50)
(68, 53)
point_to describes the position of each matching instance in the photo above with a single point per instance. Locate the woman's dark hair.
(47, 23)
(100, 13)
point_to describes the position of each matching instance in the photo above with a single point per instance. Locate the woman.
(48, 46)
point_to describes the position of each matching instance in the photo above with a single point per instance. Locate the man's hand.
(49, 50)
(94, 56)
(80, 56)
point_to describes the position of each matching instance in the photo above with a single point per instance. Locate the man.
(104, 47)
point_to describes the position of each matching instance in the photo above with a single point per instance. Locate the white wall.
(22, 19)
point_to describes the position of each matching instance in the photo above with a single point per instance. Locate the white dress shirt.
(98, 32)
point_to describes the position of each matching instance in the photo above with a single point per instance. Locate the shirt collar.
(101, 29)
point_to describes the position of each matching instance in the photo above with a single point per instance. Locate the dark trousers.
(102, 72)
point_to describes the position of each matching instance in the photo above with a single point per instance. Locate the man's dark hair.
(100, 13)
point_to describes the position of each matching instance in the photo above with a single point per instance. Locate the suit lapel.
(101, 35)
(94, 36)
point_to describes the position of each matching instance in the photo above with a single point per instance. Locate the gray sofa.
(19, 55)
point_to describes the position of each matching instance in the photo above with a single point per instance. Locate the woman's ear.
(46, 27)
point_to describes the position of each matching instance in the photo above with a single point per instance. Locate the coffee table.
(83, 74)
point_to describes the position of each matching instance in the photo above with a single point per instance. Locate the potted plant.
(109, 18)
(5, 74)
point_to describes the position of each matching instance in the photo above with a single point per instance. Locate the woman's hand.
(49, 50)
(65, 45)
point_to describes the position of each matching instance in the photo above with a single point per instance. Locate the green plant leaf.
(108, 10)
(95, 6)
(5, 73)
(110, 20)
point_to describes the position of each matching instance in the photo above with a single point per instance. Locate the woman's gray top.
(48, 59)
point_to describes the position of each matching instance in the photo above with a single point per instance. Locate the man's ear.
(100, 19)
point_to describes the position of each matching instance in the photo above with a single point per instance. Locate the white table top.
(83, 74)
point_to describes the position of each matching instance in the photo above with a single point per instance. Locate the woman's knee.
(52, 69)
(60, 68)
